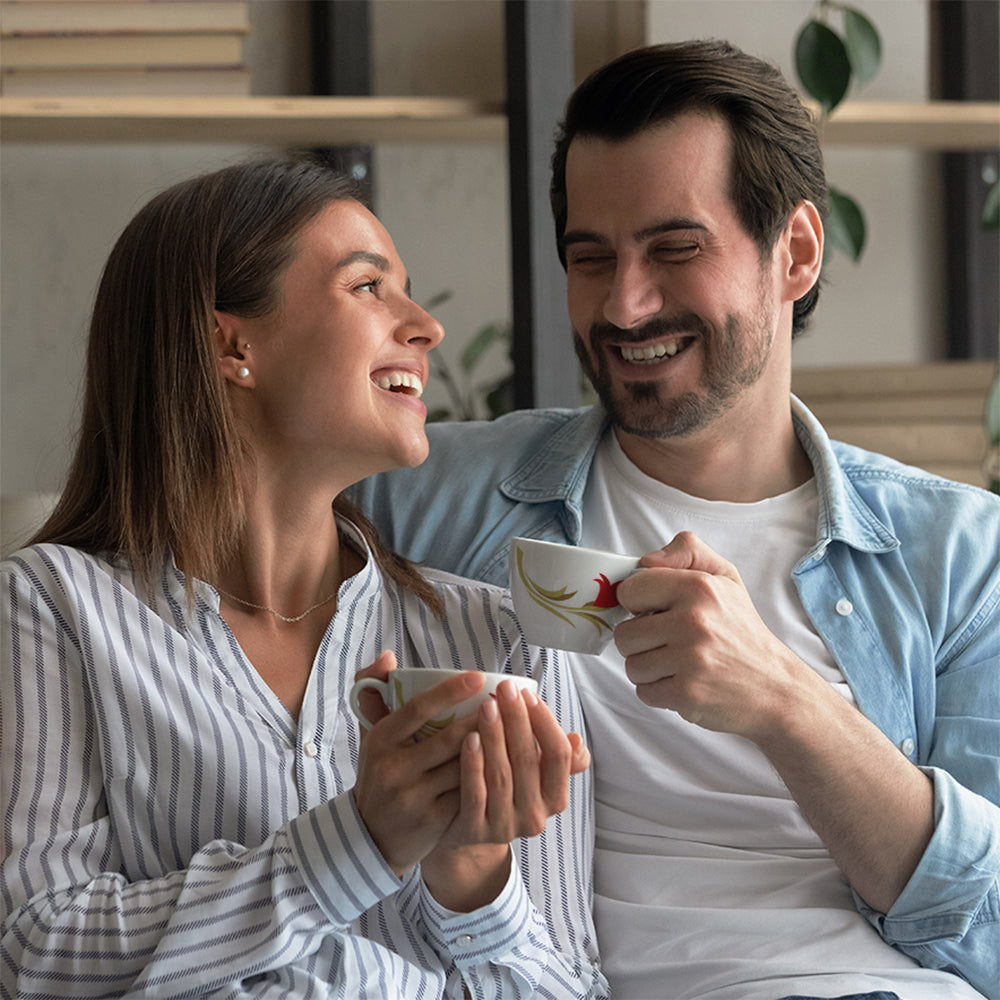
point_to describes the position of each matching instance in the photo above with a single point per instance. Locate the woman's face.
(338, 367)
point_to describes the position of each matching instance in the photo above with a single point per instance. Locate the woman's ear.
(235, 362)
(804, 237)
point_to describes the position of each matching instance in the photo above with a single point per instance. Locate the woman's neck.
(289, 557)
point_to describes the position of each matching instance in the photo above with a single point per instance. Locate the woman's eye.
(372, 286)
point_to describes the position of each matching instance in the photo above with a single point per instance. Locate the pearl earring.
(242, 372)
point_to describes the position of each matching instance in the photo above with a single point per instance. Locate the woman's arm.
(537, 936)
(88, 906)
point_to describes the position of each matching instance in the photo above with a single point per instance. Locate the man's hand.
(698, 646)
(701, 649)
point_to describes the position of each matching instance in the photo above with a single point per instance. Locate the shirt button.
(907, 746)
(843, 606)
(310, 749)
(463, 940)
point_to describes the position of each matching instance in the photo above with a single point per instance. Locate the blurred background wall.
(62, 205)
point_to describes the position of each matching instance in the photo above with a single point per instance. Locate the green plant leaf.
(991, 210)
(845, 225)
(822, 64)
(500, 399)
(480, 343)
(435, 300)
(864, 47)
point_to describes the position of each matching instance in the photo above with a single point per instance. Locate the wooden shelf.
(935, 125)
(279, 121)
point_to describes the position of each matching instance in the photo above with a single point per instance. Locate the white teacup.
(565, 596)
(406, 682)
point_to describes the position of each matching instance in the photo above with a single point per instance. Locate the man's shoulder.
(488, 451)
(874, 473)
(918, 505)
(521, 427)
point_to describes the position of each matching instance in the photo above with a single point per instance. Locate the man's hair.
(160, 467)
(776, 159)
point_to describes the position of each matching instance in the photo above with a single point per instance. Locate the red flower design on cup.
(607, 595)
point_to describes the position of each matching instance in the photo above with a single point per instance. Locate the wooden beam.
(276, 121)
(539, 38)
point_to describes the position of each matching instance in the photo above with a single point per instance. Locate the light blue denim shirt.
(902, 583)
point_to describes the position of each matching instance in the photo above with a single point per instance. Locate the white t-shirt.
(709, 883)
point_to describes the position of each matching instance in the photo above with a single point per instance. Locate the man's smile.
(652, 353)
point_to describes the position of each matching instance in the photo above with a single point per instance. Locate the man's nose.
(634, 297)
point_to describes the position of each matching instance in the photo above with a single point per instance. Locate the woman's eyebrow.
(382, 263)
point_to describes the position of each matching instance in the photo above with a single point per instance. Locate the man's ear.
(233, 351)
(803, 237)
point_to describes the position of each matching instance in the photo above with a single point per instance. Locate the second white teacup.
(407, 682)
(565, 596)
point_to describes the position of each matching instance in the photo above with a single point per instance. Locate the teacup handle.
(355, 697)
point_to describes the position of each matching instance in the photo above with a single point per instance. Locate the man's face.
(673, 311)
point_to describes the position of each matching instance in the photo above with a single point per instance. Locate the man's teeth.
(651, 353)
(401, 380)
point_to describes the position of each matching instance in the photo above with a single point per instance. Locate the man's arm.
(698, 647)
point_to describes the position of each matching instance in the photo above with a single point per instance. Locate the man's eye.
(372, 286)
(589, 259)
(678, 251)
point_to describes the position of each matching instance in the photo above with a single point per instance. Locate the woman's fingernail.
(490, 711)
(529, 696)
(473, 742)
(508, 690)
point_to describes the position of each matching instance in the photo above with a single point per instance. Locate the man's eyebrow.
(582, 236)
(669, 226)
(656, 229)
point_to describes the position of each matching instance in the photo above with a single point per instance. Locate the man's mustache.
(655, 329)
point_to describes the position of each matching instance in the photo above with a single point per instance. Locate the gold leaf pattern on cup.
(554, 601)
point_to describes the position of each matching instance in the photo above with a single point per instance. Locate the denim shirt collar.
(558, 472)
(844, 516)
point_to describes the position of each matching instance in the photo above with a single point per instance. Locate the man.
(797, 738)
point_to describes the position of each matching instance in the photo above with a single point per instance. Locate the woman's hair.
(159, 466)
(776, 158)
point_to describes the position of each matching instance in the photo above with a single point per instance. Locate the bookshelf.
(932, 125)
(268, 120)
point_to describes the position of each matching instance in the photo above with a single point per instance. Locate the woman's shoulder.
(51, 561)
(460, 592)
(51, 569)
(445, 581)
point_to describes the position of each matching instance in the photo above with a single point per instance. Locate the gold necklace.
(278, 614)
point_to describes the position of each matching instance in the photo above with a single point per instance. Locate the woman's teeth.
(651, 353)
(404, 381)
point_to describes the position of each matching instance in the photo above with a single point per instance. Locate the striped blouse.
(170, 830)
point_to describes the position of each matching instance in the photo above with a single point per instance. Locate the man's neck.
(722, 462)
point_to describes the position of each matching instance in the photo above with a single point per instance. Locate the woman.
(190, 809)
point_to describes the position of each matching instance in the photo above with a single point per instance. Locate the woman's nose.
(421, 326)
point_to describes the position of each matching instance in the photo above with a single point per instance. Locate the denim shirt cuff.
(956, 877)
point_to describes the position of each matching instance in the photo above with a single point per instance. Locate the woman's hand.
(515, 772)
(407, 792)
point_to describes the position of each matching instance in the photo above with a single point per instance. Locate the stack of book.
(61, 48)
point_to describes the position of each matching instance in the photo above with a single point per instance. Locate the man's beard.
(735, 358)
